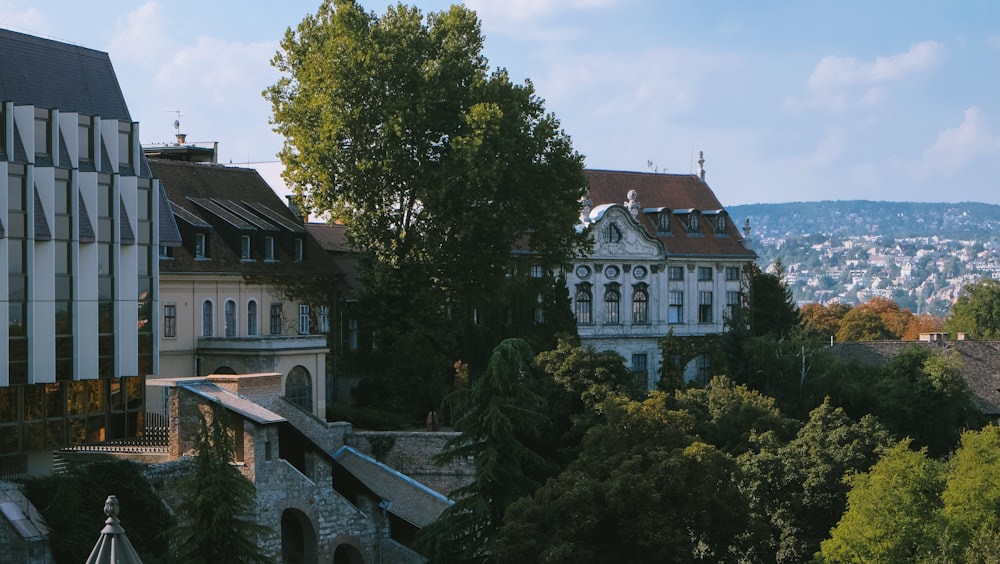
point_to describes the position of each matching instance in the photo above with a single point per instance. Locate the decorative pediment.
(617, 234)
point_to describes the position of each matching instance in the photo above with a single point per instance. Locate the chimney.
(294, 206)
(181, 138)
(701, 165)
(746, 233)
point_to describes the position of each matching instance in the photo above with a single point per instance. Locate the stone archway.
(298, 538)
(223, 370)
(347, 554)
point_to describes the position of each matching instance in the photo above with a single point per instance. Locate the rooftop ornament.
(113, 547)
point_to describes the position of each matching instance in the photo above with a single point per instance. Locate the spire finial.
(701, 165)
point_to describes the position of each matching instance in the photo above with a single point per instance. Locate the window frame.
(170, 321)
(732, 273)
(252, 309)
(245, 247)
(675, 307)
(705, 274)
(583, 305)
(705, 312)
(275, 320)
(640, 305)
(304, 324)
(230, 326)
(207, 318)
(675, 273)
(200, 246)
(612, 305)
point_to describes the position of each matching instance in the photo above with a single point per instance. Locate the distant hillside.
(919, 254)
(863, 217)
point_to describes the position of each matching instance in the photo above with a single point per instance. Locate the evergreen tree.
(503, 415)
(214, 524)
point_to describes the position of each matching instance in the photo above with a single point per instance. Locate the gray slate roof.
(408, 499)
(51, 74)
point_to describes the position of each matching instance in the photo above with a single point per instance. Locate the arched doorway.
(347, 554)
(298, 388)
(298, 538)
(224, 370)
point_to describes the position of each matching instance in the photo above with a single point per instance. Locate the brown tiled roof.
(980, 363)
(224, 202)
(408, 499)
(679, 193)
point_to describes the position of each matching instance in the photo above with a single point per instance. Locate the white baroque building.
(666, 257)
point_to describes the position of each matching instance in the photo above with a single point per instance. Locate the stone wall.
(412, 453)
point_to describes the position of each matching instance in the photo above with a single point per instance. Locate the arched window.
(612, 305)
(663, 222)
(298, 388)
(207, 318)
(252, 318)
(640, 305)
(583, 305)
(229, 319)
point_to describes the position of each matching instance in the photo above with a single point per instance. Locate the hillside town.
(918, 255)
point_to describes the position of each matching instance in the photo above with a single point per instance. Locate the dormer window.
(720, 224)
(245, 247)
(663, 221)
(268, 248)
(300, 249)
(692, 222)
(200, 246)
(612, 234)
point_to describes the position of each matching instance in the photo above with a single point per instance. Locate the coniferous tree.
(503, 416)
(214, 524)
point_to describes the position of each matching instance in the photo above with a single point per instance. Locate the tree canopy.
(395, 125)
(977, 311)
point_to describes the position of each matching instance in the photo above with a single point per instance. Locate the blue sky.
(790, 100)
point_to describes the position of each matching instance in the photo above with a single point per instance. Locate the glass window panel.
(76, 398)
(17, 225)
(8, 405)
(34, 436)
(17, 289)
(34, 402)
(95, 396)
(9, 439)
(63, 228)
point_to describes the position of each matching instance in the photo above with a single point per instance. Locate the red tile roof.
(679, 193)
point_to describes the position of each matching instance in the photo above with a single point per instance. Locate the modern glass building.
(79, 232)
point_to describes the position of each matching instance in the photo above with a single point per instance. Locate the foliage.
(726, 415)
(771, 308)
(971, 498)
(216, 499)
(503, 415)
(642, 490)
(890, 510)
(864, 324)
(73, 507)
(795, 490)
(438, 167)
(976, 311)
(678, 352)
(824, 319)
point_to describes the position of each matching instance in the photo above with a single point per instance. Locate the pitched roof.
(224, 203)
(51, 74)
(678, 193)
(333, 240)
(237, 404)
(980, 363)
(408, 499)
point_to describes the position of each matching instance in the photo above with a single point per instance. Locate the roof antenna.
(181, 137)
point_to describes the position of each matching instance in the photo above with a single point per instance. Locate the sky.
(795, 100)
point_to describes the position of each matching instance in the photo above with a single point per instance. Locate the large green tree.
(503, 415)
(977, 311)
(395, 125)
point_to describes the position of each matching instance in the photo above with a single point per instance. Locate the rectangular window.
(200, 246)
(276, 319)
(732, 273)
(536, 271)
(732, 302)
(324, 319)
(303, 319)
(300, 249)
(268, 248)
(704, 307)
(245, 247)
(164, 252)
(639, 368)
(704, 273)
(43, 132)
(169, 321)
(675, 273)
(85, 139)
(125, 143)
(676, 311)
(352, 335)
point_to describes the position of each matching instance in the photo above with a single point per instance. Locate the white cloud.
(26, 20)
(140, 35)
(845, 83)
(504, 12)
(957, 147)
